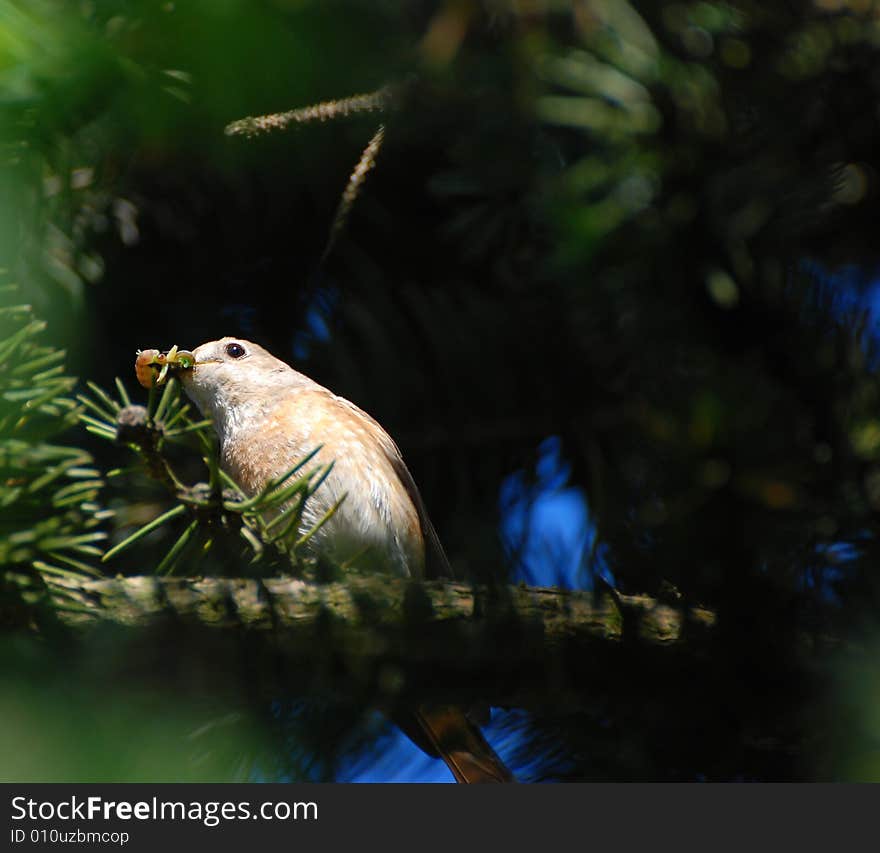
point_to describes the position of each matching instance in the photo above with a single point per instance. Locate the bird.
(269, 416)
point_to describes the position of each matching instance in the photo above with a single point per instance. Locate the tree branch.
(364, 610)
(392, 642)
(373, 604)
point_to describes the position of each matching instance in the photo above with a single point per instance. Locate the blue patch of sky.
(546, 525)
(392, 757)
(315, 328)
(853, 291)
(835, 562)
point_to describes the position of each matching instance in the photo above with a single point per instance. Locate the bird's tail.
(447, 733)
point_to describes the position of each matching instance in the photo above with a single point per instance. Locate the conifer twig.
(352, 189)
(377, 604)
(377, 101)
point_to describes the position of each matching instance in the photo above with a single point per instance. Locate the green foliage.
(54, 730)
(51, 516)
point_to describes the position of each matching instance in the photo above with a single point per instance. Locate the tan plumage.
(268, 417)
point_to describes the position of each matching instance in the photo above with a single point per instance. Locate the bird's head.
(230, 380)
(232, 373)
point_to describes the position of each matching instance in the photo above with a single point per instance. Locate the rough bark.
(367, 606)
(390, 642)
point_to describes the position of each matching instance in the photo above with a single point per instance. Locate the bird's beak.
(153, 367)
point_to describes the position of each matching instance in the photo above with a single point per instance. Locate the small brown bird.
(268, 417)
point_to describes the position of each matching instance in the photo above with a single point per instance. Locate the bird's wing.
(437, 564)
(446, 732)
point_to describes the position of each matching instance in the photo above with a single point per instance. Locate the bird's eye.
(234, 350)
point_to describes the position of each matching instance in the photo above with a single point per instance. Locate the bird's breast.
(376, 524)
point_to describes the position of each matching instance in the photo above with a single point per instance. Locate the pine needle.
(171, 558)
(143, 531)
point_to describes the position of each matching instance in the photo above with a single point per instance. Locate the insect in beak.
(152, 366)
